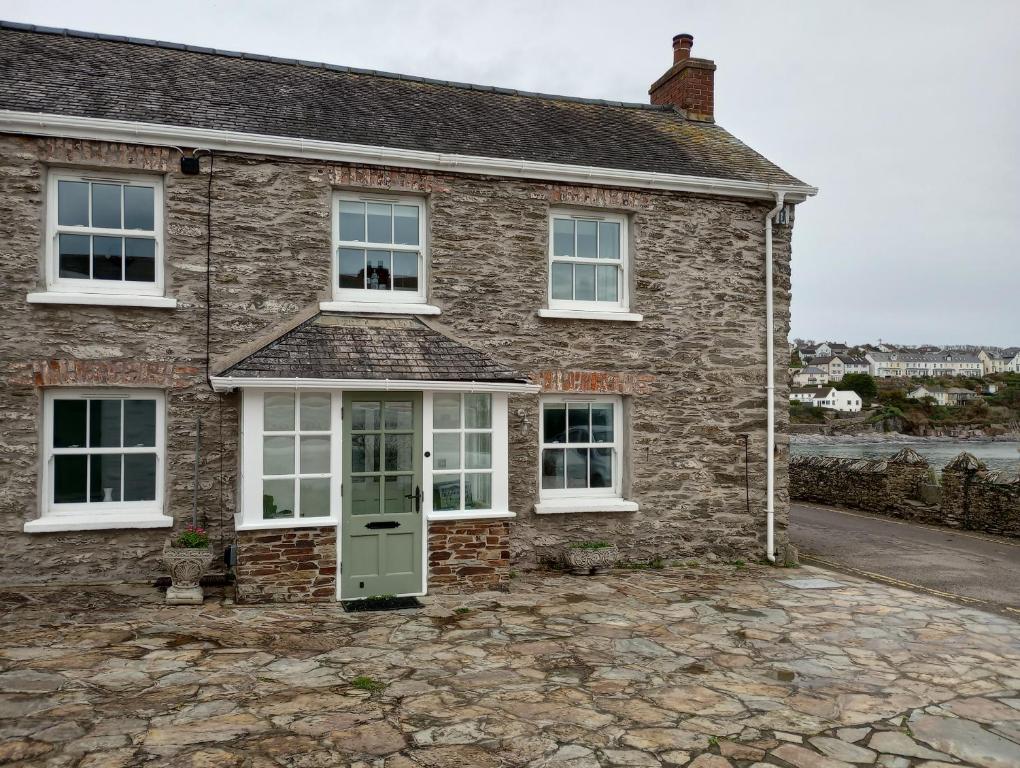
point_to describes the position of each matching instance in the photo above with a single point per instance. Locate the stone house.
(379, 334)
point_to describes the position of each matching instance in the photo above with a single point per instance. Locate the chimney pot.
(682, 45)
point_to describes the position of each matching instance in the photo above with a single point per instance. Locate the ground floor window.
(104, 451)
(462, 451)
(580, 446)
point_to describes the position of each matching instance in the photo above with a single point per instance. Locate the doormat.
(381, 604)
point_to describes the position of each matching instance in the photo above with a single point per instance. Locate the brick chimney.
(689, 84)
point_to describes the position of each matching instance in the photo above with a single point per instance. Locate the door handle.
(417, 496)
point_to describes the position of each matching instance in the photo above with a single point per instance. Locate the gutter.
(155, 134)
(770, 387)
(230, 383)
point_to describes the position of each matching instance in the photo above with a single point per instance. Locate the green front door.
(381, 527)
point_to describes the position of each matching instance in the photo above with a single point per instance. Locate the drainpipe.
(770, 367)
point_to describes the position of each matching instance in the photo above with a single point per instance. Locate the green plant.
(513, 574)
(192, 537)
(713, 741)
(590, 545)
(366, 683)
(657, 563)
(861, 383)
(462, 609)
(738, 564)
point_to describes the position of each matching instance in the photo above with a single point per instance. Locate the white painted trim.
(383, 308)
(44, 124)
(230, 383)
(102, 299)
(587, 314)
(483, 514)
(276, 524)
(622, 304)
(571, 497)
(564, 506)
(88, 521)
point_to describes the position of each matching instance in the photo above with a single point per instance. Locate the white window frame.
(103, 288)
(621, 307)
(463, 471)
(99, 515)
(616, 491)
(249, 515)
(374, 300)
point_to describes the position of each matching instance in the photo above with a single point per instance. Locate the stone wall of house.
(469, 555)
(692, 372)
(286, 566)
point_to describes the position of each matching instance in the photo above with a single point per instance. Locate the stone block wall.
(469, 555)
(286, 566)
(978, 500)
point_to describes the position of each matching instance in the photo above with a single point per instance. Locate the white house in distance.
(906, 364)
(845, 400)
(810, 376)
(839, 366)
(1007, 361)
(942, 395)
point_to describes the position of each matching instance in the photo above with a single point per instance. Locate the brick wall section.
(286, 566)
(690, 86)
(469, 556)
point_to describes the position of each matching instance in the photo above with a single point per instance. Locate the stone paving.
(706, 667)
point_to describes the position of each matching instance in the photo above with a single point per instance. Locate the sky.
(905, 114)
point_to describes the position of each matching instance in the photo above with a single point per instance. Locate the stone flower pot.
(583, 561)
(187, 565)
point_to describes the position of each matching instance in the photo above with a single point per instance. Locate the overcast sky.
(905, 114)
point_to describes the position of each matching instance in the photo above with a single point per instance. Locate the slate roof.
(88, 75)
(330, 346)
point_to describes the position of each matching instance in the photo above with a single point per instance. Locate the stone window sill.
(590, 314)
(93, 521)
(566, 506)
(103, 299)
(482, 514)
(381, 308)
(288, 523)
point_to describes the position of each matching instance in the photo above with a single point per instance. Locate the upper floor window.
(104, 234)
(380, 252)
(588, 262)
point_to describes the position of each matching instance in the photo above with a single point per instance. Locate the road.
(973, 568)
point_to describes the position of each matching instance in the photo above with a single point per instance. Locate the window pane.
(378, 275)
(352, 268)
(69, 479)
(554, 423)
(562, 280)
(380, 223)
(352, 220)
(587, 238)
(278, 412)
(69, 423)
(478, 491)
(446, 411)
(104, 423)
(399, 453)
(445, 492)
(609, 240)
(106, 258)
(600, 472)
(315, 411)
(139, 477)
(74, 256)
(365, 495)
(104, 470)
(365, 453)
(577, 467)
(578, 418)
(405, 224)
(314, 455)
(398, 488)
(106, 205)
(602, 422)
(278, 455)
(315, 497)
(277, 498)
(365, 415)
(584, 282)
(446, 451)
(477, 411)
(563, 237)
(139, 208)
(552, 468)
(608, 284)
(139, 423)
(405, 271)
(478, 450)
(398, 415)
(73, 203)
(140, 259)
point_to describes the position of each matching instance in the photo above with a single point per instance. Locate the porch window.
(462, 444)
(296, 469)
(380, 251)
(581, 439)
(588, 262)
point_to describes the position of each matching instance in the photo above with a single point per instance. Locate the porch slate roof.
(333, 346)
(84, 74)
